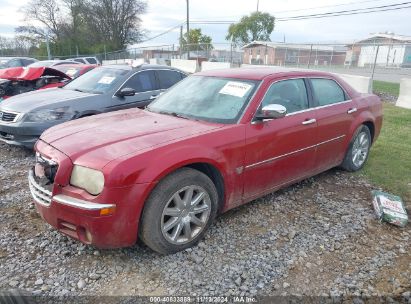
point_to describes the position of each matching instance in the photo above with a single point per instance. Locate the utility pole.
(181, 41)
(188, 30)
(48, 46)
(258, 2)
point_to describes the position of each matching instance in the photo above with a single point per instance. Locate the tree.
(86, 26)
(256, 27)
(196, 41)
(116, 22)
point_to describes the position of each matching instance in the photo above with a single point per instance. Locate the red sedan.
(214, 141)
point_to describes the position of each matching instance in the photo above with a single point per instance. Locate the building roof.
(392, 36)
(296, 46)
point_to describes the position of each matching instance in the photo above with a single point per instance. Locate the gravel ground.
(317, 238)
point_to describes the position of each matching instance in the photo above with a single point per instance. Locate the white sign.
(234, 88)
(106, 80)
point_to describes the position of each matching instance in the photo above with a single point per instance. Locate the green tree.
(256, 27)
(196, 41)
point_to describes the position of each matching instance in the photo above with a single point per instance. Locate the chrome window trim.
(114, 95)
(308, 109)
(338, 83)
(293, 152)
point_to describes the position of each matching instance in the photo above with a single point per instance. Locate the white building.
(393, 51)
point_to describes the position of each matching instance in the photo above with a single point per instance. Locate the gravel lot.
(318, 237)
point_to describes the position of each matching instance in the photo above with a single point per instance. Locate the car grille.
(8, 116)
(40, 194)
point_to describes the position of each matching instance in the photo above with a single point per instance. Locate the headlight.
(64, 113)
(88, 179)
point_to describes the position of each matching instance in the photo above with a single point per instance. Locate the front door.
(281, 150)
(145, 85)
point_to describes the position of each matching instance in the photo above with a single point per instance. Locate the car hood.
(96, 140)
(24, 103)
(25, 73)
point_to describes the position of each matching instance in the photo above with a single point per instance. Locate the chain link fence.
(382, 61)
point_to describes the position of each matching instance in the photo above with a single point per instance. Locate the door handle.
(153, 97)
(352, 110)
(309, 121)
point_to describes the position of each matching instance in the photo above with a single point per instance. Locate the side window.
(327, 91)
(168, 78)
(291, 94)
(14, 63)
(142, 82)
(91, 60)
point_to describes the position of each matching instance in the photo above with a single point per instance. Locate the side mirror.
(272, 111)
(126, 92)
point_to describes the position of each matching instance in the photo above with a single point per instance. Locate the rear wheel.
(179, 211)
(358, 150)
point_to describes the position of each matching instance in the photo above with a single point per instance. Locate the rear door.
(335, 112)
(168, 78)
(282, 150)
(146, 86)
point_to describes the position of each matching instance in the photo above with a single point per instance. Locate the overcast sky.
(164, 14)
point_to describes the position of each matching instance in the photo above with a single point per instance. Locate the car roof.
(141, 67)
(260, 73)
(79, 65)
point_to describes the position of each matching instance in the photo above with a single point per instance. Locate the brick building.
(287, 54)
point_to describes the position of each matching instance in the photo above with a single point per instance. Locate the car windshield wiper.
(173, 114)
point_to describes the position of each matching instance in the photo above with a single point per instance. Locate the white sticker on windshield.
(106, 80)
(235, 88)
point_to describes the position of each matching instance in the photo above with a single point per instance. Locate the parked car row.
(214, 141)
(14, 62)
(25, 117)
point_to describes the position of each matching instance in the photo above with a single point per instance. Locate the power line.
(374, 9)
(347, 11)
(367, 10)
(163, 33)
(313, 8)
(348, 14)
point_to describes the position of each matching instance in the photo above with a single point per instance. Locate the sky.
(163, 14)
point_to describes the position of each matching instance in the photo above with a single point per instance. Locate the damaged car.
(104, 89)
(14, 81)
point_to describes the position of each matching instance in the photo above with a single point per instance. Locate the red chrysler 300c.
(214, 141)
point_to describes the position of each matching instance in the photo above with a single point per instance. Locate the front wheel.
(179, 211)
(358, 150)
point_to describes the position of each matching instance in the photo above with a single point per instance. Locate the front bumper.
(83, 219)
(24, 133)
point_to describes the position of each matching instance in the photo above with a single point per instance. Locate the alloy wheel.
(185, 215)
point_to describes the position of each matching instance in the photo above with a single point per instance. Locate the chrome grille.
(40, 194)
(8, 116)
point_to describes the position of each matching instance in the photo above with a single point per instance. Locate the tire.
(168, 224)
(358, 150)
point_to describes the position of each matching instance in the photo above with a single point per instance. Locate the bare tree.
(116, 22)
(45, 12)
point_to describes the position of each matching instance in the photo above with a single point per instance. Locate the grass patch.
(389, 163)
(390, 88)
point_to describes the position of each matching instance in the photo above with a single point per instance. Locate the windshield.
(43, 63)
(73, 72)
(212, 99)
(97, 81)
